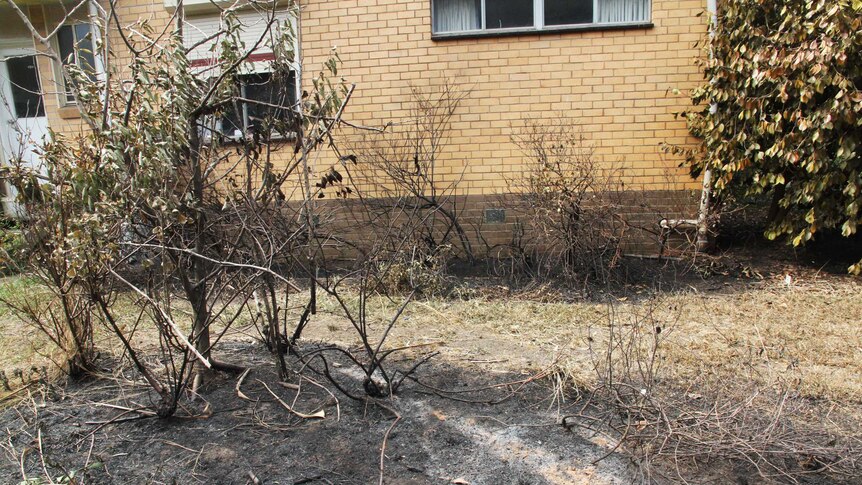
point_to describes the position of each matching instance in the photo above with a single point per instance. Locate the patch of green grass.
(22, 346)
(16, 288)
(12, 245)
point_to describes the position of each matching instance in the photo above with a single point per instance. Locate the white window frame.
(539, 22)
(64, 92)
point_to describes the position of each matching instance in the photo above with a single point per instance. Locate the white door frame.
(9, 127)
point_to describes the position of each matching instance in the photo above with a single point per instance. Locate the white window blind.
(457, 15)
(268, 100)
(623, 11)
(198, 31)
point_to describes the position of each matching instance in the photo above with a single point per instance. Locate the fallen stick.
(115, 420)
(386, 438)
(337, 405)
(253, 478)
(415, 346)
(239, 384)
(124, 408)
(171, 443)
(318, 415)
(13, 393)
(287, 385)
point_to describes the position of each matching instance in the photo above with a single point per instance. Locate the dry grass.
(805, 334)
(19, 348)
(777, 360)
(27, 355)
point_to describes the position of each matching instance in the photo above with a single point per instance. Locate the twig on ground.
(239, 384)
(253, 478)
(143, 414)
(515, 425)
(386, 438)
(318, 415)
(177, 445)
(42, 455)
(15, 392)
(337, 405)
(451, 394)
(90, 451)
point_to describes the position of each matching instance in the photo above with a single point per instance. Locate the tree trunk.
(197, 289)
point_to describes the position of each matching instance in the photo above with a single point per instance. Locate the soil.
(223, 439)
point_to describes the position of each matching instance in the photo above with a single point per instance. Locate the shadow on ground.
(228, 440)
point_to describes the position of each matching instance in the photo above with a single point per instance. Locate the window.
(506, 14)
(76, 48)
(568, 12)
(26, 92)
(263, 103)
(267, 100)
(459, 16)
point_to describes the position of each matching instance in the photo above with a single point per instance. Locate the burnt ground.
(228, 440)
(82, 427)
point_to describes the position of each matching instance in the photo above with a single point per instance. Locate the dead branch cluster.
(571, 205)
(683, 430)
(409, 204)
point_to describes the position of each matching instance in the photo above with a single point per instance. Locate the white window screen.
(622, 11)
(198, 31)
(457, 15)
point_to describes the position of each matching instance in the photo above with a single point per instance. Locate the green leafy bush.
(11, 247)
(780, 112)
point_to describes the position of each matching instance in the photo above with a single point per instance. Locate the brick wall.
(495, 225)
(617, 85)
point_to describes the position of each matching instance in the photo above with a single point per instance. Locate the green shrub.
(12, 247)
(780, 112)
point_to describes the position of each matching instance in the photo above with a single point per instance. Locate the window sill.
(228, 141)
(477, 34)
(68, 112)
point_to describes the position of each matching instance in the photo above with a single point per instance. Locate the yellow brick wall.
(618, 85)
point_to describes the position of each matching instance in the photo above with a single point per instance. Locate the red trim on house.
(267, 56)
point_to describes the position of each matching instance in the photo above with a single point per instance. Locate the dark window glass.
(275, 99)
(86, 53)
(231, 121)
(76, 47)
(26, 94)
(265, 102)
(66, 39)
(566, 12)
(502, 14)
